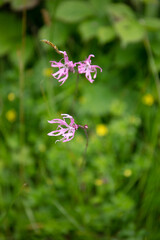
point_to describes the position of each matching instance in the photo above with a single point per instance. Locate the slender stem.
(152, 65)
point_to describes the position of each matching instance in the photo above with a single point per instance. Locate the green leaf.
(89, 29)
(106, 34)
(73, 11)
(129, 31)
(151, 24)
(127, 27)
(99, 6)
(10, 37)
(120, 11)
(25, 4)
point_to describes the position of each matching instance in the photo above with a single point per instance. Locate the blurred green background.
(46, 190)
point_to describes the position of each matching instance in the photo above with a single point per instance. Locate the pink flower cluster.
(68, 66)
(66, 130)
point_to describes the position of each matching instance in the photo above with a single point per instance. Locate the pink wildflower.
(87, 68)
(67, 131)
(64, 68)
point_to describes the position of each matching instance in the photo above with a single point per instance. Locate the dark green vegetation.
(47, 191)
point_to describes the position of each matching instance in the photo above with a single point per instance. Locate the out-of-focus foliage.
(47, 190)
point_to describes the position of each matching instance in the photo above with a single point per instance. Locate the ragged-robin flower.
(64, 68)
(66, 130)
(86, 68)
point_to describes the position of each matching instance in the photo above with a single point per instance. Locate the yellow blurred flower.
(11, 115)
(148, 99)
(11, 96)
(47, 72)
(127, 172)
(98, 182)
(101, 130)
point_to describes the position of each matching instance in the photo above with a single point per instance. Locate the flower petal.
(61, 122)
(70, 117)
(63, 79)
(53, 133)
